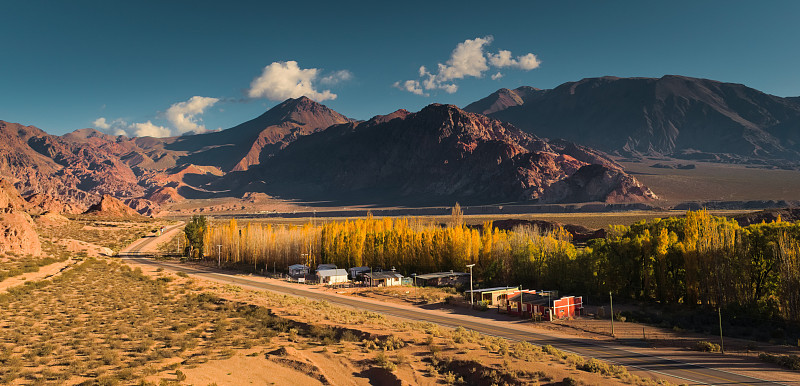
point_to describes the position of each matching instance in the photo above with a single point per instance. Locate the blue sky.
(66, 64)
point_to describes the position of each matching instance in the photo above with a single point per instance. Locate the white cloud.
(503, 59)
(468, 59)
(101, 124)
(115, 127)
(148, 129)
(336, 77)
(183, 115)
(411, 86)
(283, 80)
(528, 62)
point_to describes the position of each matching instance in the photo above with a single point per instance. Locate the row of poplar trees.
(698, 259)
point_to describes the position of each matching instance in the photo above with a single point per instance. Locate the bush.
(569, 381)
(594, 366)
(552, 350)
(791, 362)
(384, 362)
(706, 346)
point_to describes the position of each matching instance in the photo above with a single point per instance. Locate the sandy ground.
(77, 246)
(353, 367)
(43, 273)
(740, 363)
(239, 370)
(741, 355)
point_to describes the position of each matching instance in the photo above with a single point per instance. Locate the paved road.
(147, 245)
(611, 352)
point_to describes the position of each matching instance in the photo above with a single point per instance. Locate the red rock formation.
(111, 207)
(165, 195)
(17, 233)
(440, 154)
(41, 203)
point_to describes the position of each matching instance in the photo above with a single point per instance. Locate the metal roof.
(384, 275)
(529, 298)
(331, 272)
(297, 266)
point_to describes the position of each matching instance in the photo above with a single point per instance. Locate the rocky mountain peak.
(670, 115)
(503, 99)
(111, 207)
(441, 153)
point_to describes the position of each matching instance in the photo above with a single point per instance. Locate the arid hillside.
(684, 117)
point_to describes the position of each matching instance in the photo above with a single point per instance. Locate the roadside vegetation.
(12, 264)
(16, 264)
(103, 322)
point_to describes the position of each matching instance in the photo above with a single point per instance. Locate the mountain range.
(674, 116)
(441, 154)
(526, 144)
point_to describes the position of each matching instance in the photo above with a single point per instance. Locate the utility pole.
(414, 275)
(611, 299)
(721, 343)
(471, 294)
(219, 255)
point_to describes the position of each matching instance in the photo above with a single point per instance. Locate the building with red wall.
(540, 305)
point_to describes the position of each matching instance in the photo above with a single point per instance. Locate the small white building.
(383, 279)
(298, 270)
(332, 276)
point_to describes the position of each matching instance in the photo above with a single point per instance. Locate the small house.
(567, 307)
(298, 270)
(443, 279)
(542, 305)
(357, 273)
(383, 279)
(524, 303)
(490, 296)
(332, 276)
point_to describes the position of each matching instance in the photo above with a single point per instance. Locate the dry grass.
(109, 233)
(104, 320)
(13, 264)
(406, 294)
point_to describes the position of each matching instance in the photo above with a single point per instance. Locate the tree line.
(698, 259)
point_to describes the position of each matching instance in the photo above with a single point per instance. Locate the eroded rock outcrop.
(111, 207)
(17, 232)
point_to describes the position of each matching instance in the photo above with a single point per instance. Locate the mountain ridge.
(672, 115)
(440, 153)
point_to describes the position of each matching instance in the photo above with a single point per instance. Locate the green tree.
(195, 231)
